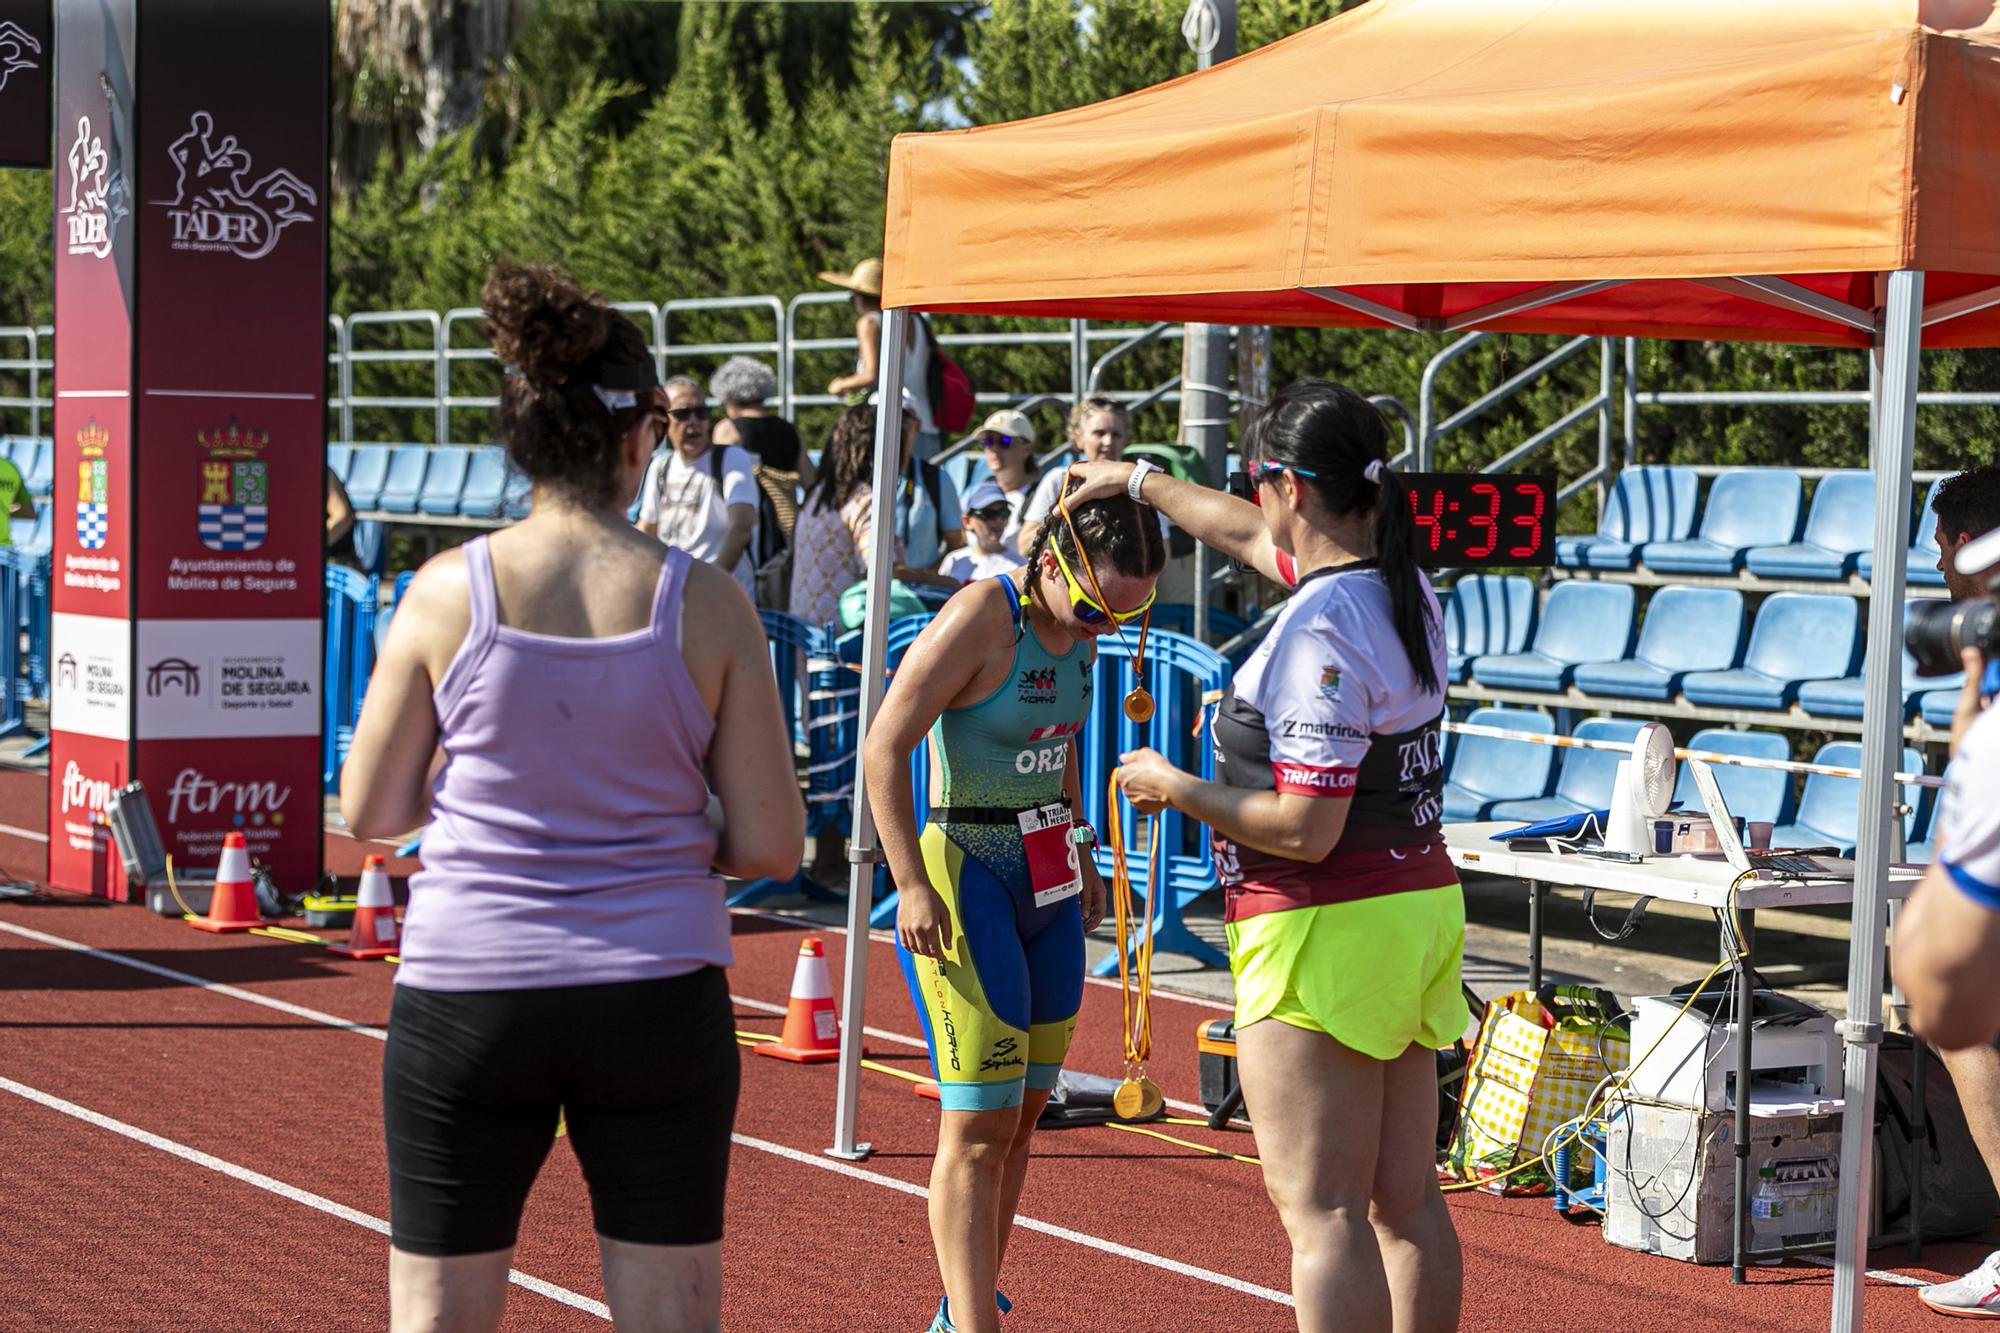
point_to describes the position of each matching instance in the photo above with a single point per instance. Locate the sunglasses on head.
(1091, 607)
(1264, 471)
(688, 413)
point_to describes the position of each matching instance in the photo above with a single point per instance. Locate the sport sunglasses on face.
(1086, 607)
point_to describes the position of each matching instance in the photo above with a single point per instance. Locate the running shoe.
(942, 1324)
(1974, 1296)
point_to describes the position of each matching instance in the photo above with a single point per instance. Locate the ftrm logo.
(216, 207)
(195, 793)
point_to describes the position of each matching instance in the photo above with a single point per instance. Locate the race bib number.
(1054, 871)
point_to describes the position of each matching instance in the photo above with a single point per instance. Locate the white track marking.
(248, 997)
(916, 1191)
(272, 1185)
(761, 1145)
(1899, 1279)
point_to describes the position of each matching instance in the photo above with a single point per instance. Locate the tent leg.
(1892, 451)
(862, 851)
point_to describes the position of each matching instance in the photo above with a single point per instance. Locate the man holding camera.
(1947, 942)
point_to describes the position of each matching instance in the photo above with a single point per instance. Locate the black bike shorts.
(472, 1083)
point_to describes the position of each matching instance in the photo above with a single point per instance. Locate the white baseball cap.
(1010, 423)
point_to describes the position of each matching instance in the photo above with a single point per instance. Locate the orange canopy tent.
(1731, 169)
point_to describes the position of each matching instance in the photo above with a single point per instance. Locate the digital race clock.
(1483, 518)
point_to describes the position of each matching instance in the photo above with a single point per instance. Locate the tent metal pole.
(1897, 347)
(862, 851)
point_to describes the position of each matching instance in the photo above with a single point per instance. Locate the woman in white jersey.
(1345, 919)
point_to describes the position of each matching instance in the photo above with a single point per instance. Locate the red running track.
(102, 1230)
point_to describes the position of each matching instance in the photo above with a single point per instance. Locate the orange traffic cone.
(374, 933)
(233, 905)
(812, 1032)
(927, 1088)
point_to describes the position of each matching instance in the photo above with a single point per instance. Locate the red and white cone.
(374, 933)
(812, 1031)
(233, 905)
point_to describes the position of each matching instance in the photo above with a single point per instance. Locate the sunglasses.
(1266, 470)
(1093, 610)
(995, 513)
(1002, 441)
(688, 413)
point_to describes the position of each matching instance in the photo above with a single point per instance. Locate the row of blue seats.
(36, 459)
(1695, 643)
(1487, 778)
(1752, 521)
(445, 481)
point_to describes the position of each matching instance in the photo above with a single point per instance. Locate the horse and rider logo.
(217, 208)
(99, 197)
(235, 509)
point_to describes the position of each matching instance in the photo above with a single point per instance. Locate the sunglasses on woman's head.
(1264, 471)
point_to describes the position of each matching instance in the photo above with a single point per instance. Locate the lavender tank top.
(569, 842)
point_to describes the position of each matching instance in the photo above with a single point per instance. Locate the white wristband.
(1138, 478)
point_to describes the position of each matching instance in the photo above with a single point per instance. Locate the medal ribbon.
(1138, 1004)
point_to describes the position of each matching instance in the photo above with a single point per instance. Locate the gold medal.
(1130, 1099)
(1139, 705)
(1152, 1100)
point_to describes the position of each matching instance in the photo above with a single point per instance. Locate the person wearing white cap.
(987, 513)
(1008, 440)
(864, 286)
(1947, 938)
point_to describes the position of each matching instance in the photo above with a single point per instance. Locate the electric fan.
(1642, 790)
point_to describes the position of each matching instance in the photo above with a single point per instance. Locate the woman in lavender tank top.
(538, 712)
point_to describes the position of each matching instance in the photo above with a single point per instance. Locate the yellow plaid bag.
(1538, 1057)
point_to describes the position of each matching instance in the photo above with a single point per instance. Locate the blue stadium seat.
(1797, 637)
(1763, 794)
(1646, 504)
(1920, 564)
(1843, 698)
(1485, 771)
(366, 474)
(1486, 613)
(1747, 507)
(1580, 622)
(37, 463)
(1937, 706)
(36, 536)
(485, 483)
(1584, 779)
(7, 448)
(1840, 527)
(405, 480)
(340, 457)
(1686, 629)
(444, 481)
(1829, 813)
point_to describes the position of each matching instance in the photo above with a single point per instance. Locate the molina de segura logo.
(217, 208)
(18, 50)
(99, 197)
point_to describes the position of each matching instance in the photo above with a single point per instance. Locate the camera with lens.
(1937, 632)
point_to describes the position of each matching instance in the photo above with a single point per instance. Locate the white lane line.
(248, 997)
(25, 834)
(271, 1185)
(762, 1145)
(915, 1191)
(1898, 1279)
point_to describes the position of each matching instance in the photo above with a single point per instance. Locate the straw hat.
(867, 277)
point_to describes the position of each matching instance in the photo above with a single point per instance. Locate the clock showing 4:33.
(1483, 518)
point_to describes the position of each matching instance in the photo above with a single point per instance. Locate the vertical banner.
(90, 703)
(191, 345)
(27, 59)
(232, 233)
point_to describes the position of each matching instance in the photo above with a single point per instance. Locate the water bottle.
(1767, 1213)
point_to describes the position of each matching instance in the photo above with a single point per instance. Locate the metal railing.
(1599, 405)
(39, 400)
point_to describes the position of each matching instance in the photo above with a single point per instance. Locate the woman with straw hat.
(864, 286)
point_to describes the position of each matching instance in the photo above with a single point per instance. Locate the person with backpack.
(698, 496)
(942, 391)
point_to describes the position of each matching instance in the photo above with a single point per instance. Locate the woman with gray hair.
(742, 384)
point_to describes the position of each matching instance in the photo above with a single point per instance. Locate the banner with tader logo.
(27, 54)
(192, 256)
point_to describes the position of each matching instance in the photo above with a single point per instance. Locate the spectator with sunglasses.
(987, 514)
(1345, 918)
(996, 894)
(1008, 440)
(700, 496)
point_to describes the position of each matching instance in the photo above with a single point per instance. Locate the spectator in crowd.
(550, 707)
(864, 286)
(1008, 440)
(929, 520)
(1968, 509)
(15, 502)
(699, 496)
(987, 514)
(742, 385)
(1099, 432)
(339, 523)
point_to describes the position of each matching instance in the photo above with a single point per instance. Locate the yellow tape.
(287, 933)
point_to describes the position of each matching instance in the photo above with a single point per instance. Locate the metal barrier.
(40, 370)
(1430, 430)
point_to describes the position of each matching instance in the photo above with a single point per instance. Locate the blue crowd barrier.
(351, 600)
(794, 647)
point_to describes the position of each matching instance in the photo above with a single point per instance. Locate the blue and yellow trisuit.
(999, 1010)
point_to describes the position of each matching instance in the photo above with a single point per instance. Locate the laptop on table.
(1783, 865)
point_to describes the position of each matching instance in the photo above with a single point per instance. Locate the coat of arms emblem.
(93, 491)
(235, 509)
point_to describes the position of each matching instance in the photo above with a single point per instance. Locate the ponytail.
(1396, 553)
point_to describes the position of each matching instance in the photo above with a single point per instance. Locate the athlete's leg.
(1317, 1110)
(1016, 1175)
(1055, 988)
(460, 1293)
(968, 1196)
(1412, 1225)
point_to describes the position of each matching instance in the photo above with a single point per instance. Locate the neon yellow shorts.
(1375, 975)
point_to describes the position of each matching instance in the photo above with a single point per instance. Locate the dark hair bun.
(541, 322)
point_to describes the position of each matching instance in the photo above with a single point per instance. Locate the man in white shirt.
(698, 496)
(987, 512)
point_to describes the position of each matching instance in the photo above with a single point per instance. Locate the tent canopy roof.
(1424, 163)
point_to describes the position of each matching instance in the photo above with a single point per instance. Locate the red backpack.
(953, 399)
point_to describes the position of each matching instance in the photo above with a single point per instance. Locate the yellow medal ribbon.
(1137, 1097)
